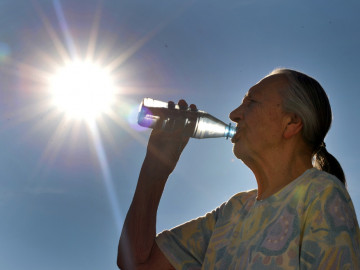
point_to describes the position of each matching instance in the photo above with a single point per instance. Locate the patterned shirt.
(309, 224)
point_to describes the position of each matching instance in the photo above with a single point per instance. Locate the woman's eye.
(249, 101)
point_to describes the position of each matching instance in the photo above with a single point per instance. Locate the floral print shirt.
(309, 224)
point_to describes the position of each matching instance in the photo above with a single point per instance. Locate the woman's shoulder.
(244, 196)
(240, 200)
(319, 181)
(319, 185)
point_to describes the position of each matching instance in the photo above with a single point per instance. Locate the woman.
(300, 217)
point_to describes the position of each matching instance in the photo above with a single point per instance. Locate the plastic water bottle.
(157, 114)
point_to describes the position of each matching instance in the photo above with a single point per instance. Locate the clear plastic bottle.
(156, 114)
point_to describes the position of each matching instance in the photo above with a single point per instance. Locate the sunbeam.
(90, 54)
(101, 155)
(59, 47)
(65, 28)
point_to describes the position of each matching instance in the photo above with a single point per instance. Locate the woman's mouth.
(235, 138)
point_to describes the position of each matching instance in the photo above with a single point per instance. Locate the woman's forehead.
(270, 85)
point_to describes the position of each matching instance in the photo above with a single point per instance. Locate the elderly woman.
(300, 217)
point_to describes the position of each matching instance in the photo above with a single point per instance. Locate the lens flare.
(133, 118)
(5, 52)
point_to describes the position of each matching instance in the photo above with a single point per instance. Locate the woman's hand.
(164, 148)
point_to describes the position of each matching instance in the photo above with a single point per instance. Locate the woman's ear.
(293, 125)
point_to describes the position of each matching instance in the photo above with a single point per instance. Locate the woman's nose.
(235, 115)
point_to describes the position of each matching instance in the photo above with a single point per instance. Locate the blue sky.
(65, 188)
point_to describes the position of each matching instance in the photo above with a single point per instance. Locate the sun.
(82, 90)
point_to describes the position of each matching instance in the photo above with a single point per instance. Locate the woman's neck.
(274, 173)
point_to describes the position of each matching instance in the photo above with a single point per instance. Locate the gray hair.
(306, 98)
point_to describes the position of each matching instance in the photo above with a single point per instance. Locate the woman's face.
(260, 119)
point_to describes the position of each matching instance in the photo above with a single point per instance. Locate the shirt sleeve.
(185, 246)
(331, 237)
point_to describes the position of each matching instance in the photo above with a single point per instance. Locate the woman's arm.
(137, 248)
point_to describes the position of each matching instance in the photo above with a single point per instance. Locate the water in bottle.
(157, 114)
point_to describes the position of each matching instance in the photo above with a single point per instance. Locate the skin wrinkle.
(265, 133)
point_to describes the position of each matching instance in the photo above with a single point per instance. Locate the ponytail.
(326, 162)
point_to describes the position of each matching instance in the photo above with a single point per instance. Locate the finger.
(182, 104)
(193, 107)
(171, 105)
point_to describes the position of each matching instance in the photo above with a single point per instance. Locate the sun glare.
(82, 90)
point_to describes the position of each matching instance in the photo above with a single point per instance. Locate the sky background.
(65, 186)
